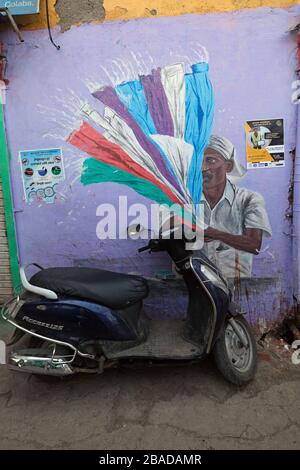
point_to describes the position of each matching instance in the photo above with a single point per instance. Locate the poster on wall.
(265, 143)
(42, 170)
(21, 7)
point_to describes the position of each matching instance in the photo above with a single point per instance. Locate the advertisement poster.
(265, 143)
(42, 170)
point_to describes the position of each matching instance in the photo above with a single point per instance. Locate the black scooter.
(71, 320)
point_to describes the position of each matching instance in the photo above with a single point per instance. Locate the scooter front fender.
(208, 305)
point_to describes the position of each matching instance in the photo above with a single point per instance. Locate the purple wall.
(252, 68)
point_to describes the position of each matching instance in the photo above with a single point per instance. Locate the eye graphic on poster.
(29, 172)
(56, 170)
(43, 172)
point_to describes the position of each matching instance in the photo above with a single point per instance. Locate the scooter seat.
(113, 290)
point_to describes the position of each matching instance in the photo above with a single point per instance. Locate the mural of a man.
(236, 217)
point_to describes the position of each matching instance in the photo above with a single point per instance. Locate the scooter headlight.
(214, 278)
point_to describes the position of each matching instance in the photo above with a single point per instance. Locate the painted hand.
(210, 235)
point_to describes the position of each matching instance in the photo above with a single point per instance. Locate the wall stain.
(118, 13)
(79, 11)
(152, 12)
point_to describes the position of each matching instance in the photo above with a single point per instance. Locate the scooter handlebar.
(153, 245)
(144, 248)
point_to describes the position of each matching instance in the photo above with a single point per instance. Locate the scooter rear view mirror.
(135, 230)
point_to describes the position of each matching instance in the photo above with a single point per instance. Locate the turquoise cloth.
(95, 171)
(133, 97)
(199, 121)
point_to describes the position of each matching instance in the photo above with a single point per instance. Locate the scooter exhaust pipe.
(25, 361)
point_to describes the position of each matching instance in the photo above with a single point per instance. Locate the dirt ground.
(169, 407)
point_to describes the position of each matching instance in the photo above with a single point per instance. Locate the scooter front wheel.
(235, 351)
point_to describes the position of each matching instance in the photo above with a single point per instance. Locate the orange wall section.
(130, 9)
(145, 8)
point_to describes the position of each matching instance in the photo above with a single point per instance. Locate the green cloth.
(95, 171)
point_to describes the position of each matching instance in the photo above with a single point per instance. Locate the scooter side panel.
(73, 321)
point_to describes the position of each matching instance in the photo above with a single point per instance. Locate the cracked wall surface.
(79, 11)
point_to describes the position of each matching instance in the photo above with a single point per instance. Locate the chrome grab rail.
(49, 294)
(8, 318)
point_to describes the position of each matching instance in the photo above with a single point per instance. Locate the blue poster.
(42, 170)
(21, 7)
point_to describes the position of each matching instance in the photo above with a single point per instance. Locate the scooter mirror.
(135, 230)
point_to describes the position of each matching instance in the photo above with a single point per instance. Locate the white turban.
(225, 148)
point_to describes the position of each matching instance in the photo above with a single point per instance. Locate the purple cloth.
(158, 103)
(108, 97)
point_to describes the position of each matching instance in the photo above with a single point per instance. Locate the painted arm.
(249, 241)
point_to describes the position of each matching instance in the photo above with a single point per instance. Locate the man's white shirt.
(237, 210)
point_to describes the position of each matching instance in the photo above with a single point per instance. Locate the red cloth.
(87, 139)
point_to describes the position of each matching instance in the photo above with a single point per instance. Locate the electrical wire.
(49, 27)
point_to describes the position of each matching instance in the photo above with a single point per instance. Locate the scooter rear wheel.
(236, 362)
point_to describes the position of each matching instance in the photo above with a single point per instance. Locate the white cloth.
(225, 148)
(237, 210)
(173, 80)
(118, 132)
(179, 154)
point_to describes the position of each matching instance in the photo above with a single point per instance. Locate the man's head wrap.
(227, 150)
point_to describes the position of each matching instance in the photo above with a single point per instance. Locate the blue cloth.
(199, 121)
(133, 97)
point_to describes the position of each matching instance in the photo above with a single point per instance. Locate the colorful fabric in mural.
(95, 171)
(155, 132)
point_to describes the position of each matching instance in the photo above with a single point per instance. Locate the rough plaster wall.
(79, 11)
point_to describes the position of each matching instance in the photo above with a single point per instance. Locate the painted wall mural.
(138, 112)
(236, 217)
(157, 131)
